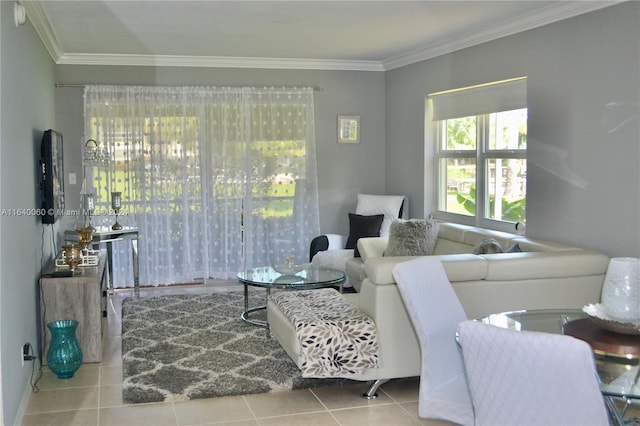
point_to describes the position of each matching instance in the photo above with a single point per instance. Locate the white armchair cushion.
(333, 259)
(336, 241)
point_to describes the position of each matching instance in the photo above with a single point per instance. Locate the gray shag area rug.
(181, 347)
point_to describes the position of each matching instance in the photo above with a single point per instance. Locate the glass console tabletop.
(106, 235)
(617, 355)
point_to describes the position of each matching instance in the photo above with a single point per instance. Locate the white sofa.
(544, 275)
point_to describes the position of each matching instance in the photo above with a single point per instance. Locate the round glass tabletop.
(308, 278)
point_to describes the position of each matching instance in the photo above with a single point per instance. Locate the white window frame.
(482, 100)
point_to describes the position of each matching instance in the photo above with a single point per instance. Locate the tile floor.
(93, 396)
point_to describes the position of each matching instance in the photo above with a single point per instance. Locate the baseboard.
(28, 391)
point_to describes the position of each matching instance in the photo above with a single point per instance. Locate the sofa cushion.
(543, 265)
(415, 237)
(362, 226)
(464, 267)
(445, 246)
(333, 259)
(459, 267)
(451, 239)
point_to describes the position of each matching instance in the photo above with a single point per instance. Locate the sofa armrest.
(372, 247)
(378, 269)
(326, 242)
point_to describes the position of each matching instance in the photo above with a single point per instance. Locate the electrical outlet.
(24, 353)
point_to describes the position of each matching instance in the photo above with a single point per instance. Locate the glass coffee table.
(617, 355)
(267, 277)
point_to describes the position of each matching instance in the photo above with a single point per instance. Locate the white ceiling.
(355, 35)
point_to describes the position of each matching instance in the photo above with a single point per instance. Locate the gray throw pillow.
(414, 237)
(487, 246)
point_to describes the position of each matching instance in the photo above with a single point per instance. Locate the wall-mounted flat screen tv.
(51, 176)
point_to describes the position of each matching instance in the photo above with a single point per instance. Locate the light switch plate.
(72, 178)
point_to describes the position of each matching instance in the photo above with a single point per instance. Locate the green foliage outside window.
(461, 133)
(512, 211)
(270, 161)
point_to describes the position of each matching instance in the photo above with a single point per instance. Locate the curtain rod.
(315, 88)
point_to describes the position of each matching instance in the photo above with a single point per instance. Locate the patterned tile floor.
(93, 396)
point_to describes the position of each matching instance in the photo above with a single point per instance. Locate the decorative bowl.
(597, 314)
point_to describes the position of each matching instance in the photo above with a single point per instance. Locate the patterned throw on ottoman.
(335, 336)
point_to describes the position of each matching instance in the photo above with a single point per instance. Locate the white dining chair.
(435, 312)
(530, 378)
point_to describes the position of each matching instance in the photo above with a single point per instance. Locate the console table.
(80, 297)
(104, 234)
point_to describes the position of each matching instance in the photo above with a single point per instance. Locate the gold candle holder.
(84, 237)
(72, 256)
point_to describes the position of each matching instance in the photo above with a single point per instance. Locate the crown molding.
(43, 28)
(545, 16)
(548, 15)
(217, 62)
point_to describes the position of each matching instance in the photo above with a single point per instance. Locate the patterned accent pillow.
(487, 246)
(414, 237)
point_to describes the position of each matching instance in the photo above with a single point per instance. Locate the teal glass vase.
(64, 355)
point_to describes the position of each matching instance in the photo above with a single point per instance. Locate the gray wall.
(583, 183)
(27, 109)
(344, 170)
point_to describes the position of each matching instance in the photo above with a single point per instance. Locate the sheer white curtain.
(217, 179)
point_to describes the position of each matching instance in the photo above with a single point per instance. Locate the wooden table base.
(602, 340)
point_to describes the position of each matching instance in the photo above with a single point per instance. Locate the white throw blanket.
(336, 338)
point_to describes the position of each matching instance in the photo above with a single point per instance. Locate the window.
(217, 179)
(481, 154)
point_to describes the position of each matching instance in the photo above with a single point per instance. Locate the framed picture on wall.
(348, 129)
